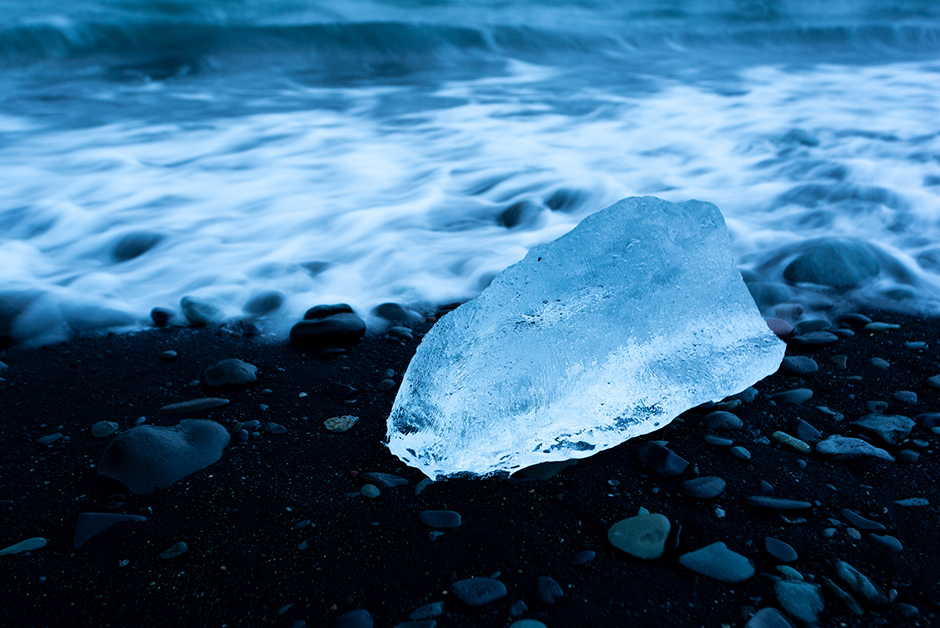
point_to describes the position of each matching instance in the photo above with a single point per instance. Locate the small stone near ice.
(385, 384)
(796, 396)
(195, 405)
(90, 524)
(338, 331)
(383, 480)
(199, 312)
(718, 441)
(706, 487)
(776, 503)
(161, 316)
(879, 363)
(781, 328)
(799, 365)
(433, 609)
(422, 485)
(801, 600)
(718, 562)
(766, 486)
(369, 490)
(721, 420)
(889, 429)
(274, 428)
(793, 443)
(860, 585)
(907, 456)
(748, 395)
(804, 431)
(104, 428)
(28, 545)
(813, 339)
(359, 618)
(478, 591)
(583, 557)
(395, 313)
(662, 459)
(888, 541)
(783, 552)
(877, 326)
(912, 502)
(232, 372)
(340, 423)
(175, 550)
(323, 311)
(741, 452)
(48, 439)
(768, 618)
(861, 522)
(440, 518)
(547, 590)
(643, 536)
(845, 448)
(812, 324)
(853, 318)
(905, 396)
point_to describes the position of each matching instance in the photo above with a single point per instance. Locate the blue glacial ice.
(607, 333)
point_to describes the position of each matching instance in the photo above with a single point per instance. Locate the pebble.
(718, 441)
(813, 339)
(933, 382)
(264, 303)
(781, 328)
(706, 487)
(547, 589)
(793, 443)
(860, 585)
(721, 421)
(878, 326)
(911, 502)
(370, 490)
(768, 618)
(48, 439)
(853, 318)
(478, 591)
(790, 572)
(890, 429)
(358, 618)
(428, 611)
(104, 428)
(929, 420)
(422, 485)
(662, 460)
(845, 448)
(907, 456)
(810, 325)
(583, 557)
(805, 432)
(232, 372)
(199, 312)
(169, 355)
(783, 552)
(440, 518)
(776, 503)
(37, 542)
(643, 536)
(385, 384)
(274, 428)
(339, 424)
(383, 480)
(905, 396)
(801, 600)
(323, 311)
(338, 330)
(861, 522)
(718, 562)
(177, 549)
(876, 407)
(840, 594)
(741, 452)
(887, 541)
(879, 363)
(161, 316)
(797, 396)
(841, 361)
(90, 524)
(799, 365)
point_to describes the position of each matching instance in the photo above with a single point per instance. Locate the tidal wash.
(607, 333)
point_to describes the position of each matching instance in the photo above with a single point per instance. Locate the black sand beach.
(249, 564)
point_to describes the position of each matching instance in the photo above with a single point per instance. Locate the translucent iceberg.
(608, 332)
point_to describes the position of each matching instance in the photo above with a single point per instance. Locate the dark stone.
(383, 480)
(336, 331)
(853, 318)
(889, 429)
(834, 262)
(811, 325)
(478, 591)
(355, 619)
(546, 589)
(395, 313)
(797, 396)
(232, 372)
(161, 316)
(813, 339)
(887, 541)
(776, 503)
(90, 524)
(135, 244)
(661, 459)
(860, 522)
(805, 432)
(264, 303)
(440, 518)
(798, 365)
(339, 391)
(566, 200)
(721, 420)
(519, 214)
(780, 327)
(768, 618)
(779, 550)
(707, 487)
(323, 311)
(928, 420)
(583, 557)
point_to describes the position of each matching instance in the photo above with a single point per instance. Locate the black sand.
(244, 566)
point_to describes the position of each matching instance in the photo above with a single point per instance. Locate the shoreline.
(249, 565)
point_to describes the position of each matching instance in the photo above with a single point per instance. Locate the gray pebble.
(231, 372)
(385, 384)
(195, 405)
(783, 552)
(880, 363)
(370, 490)
(890, 429)
(801, 600)
(422, 485)
(906, 397)
(860, 585)
(741, 452)
(428, 611)
(478, 591)
(879, 326)
(383, 480)
(799, 365)
(718, 562)
(37, 542)
(706, 487)
(275, 428)
(169, 355)
(861, 522)
(912, 502)
(104, 428)
(547, 590)
(776, 503)
(643, 536)
(440, 518)
(48, 439)
(583, 557)
(768, 618)
(177, 549)
(797, 396)
(718, 441)
(721, 421)
(888, 541)
(876, 407)
(845, 448)
(933, 382)
(843, 596)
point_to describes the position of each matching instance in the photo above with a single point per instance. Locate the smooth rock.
(583, 557)
(200, 312)
(718, 562)
(720, 421)
(801, 600)
(547, 590)
(933, 382)
(478, 591)
(146, 458)
(264, 303)
(161, 316)
(845, 448)
(90, 524)
(797, 396)
(928, 420)
(103, 428)
(48, 439)
(370, 491)
(440, 518)
(195, 405)
(741, 452)
(718, 441)
(338, 330)
(706, 487)
(781, 328)
(879, 363)
(37, 542)
(232, 372)
(642, 536)
(383, 480)
(906, 397)
(843, 596)
(860, 585)
(432, 609)
(776, 503)
(890, 429)
(340, 423)
(861, 522)
(662, 460)
(912, 502)
(888, 541)
(325, 311)
(174, 551)
(878, 326)
(799, 365)
(768, 618)
(793, 443)
(835, 262)
(813, 339)
(812, 324)
(805, 432)
(779, 550)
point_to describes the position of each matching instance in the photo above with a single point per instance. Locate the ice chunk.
(607, 333)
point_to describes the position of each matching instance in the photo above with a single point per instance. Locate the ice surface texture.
(606, 333)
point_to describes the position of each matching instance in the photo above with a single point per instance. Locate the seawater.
(408, 151)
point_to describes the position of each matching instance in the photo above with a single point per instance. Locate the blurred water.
(408, 151)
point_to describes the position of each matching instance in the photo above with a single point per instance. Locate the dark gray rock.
(801, 600)
(146, 458)
(720, 421)
(779, 550)
(643, 536)
(161, 316)
(90, 524)
(928, 420)
(860, 585)
(768, 618)
(135, 244)
(706, 487)
(887, 541)
(274, 428)
(232, 372)
(547, 590)
(324, 311)
(662, 460)
(845, 448)
(195, 405)
(741, 452)
(336, 331)
(264, 303)
(781, 328)
(843, 596)
(478, 591)
(833, 262)
(440, 518)
(583, 557)
(805, 432)
(718, 562)
(906, 397)
(860, 522)
(798, 365)
(428, 611)
(200, 312)
(812, 324)
(776, 503)
(383, 480)
(718, 441)
(395, 313)
(889, 429)
(797, 396)
(813, 339)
